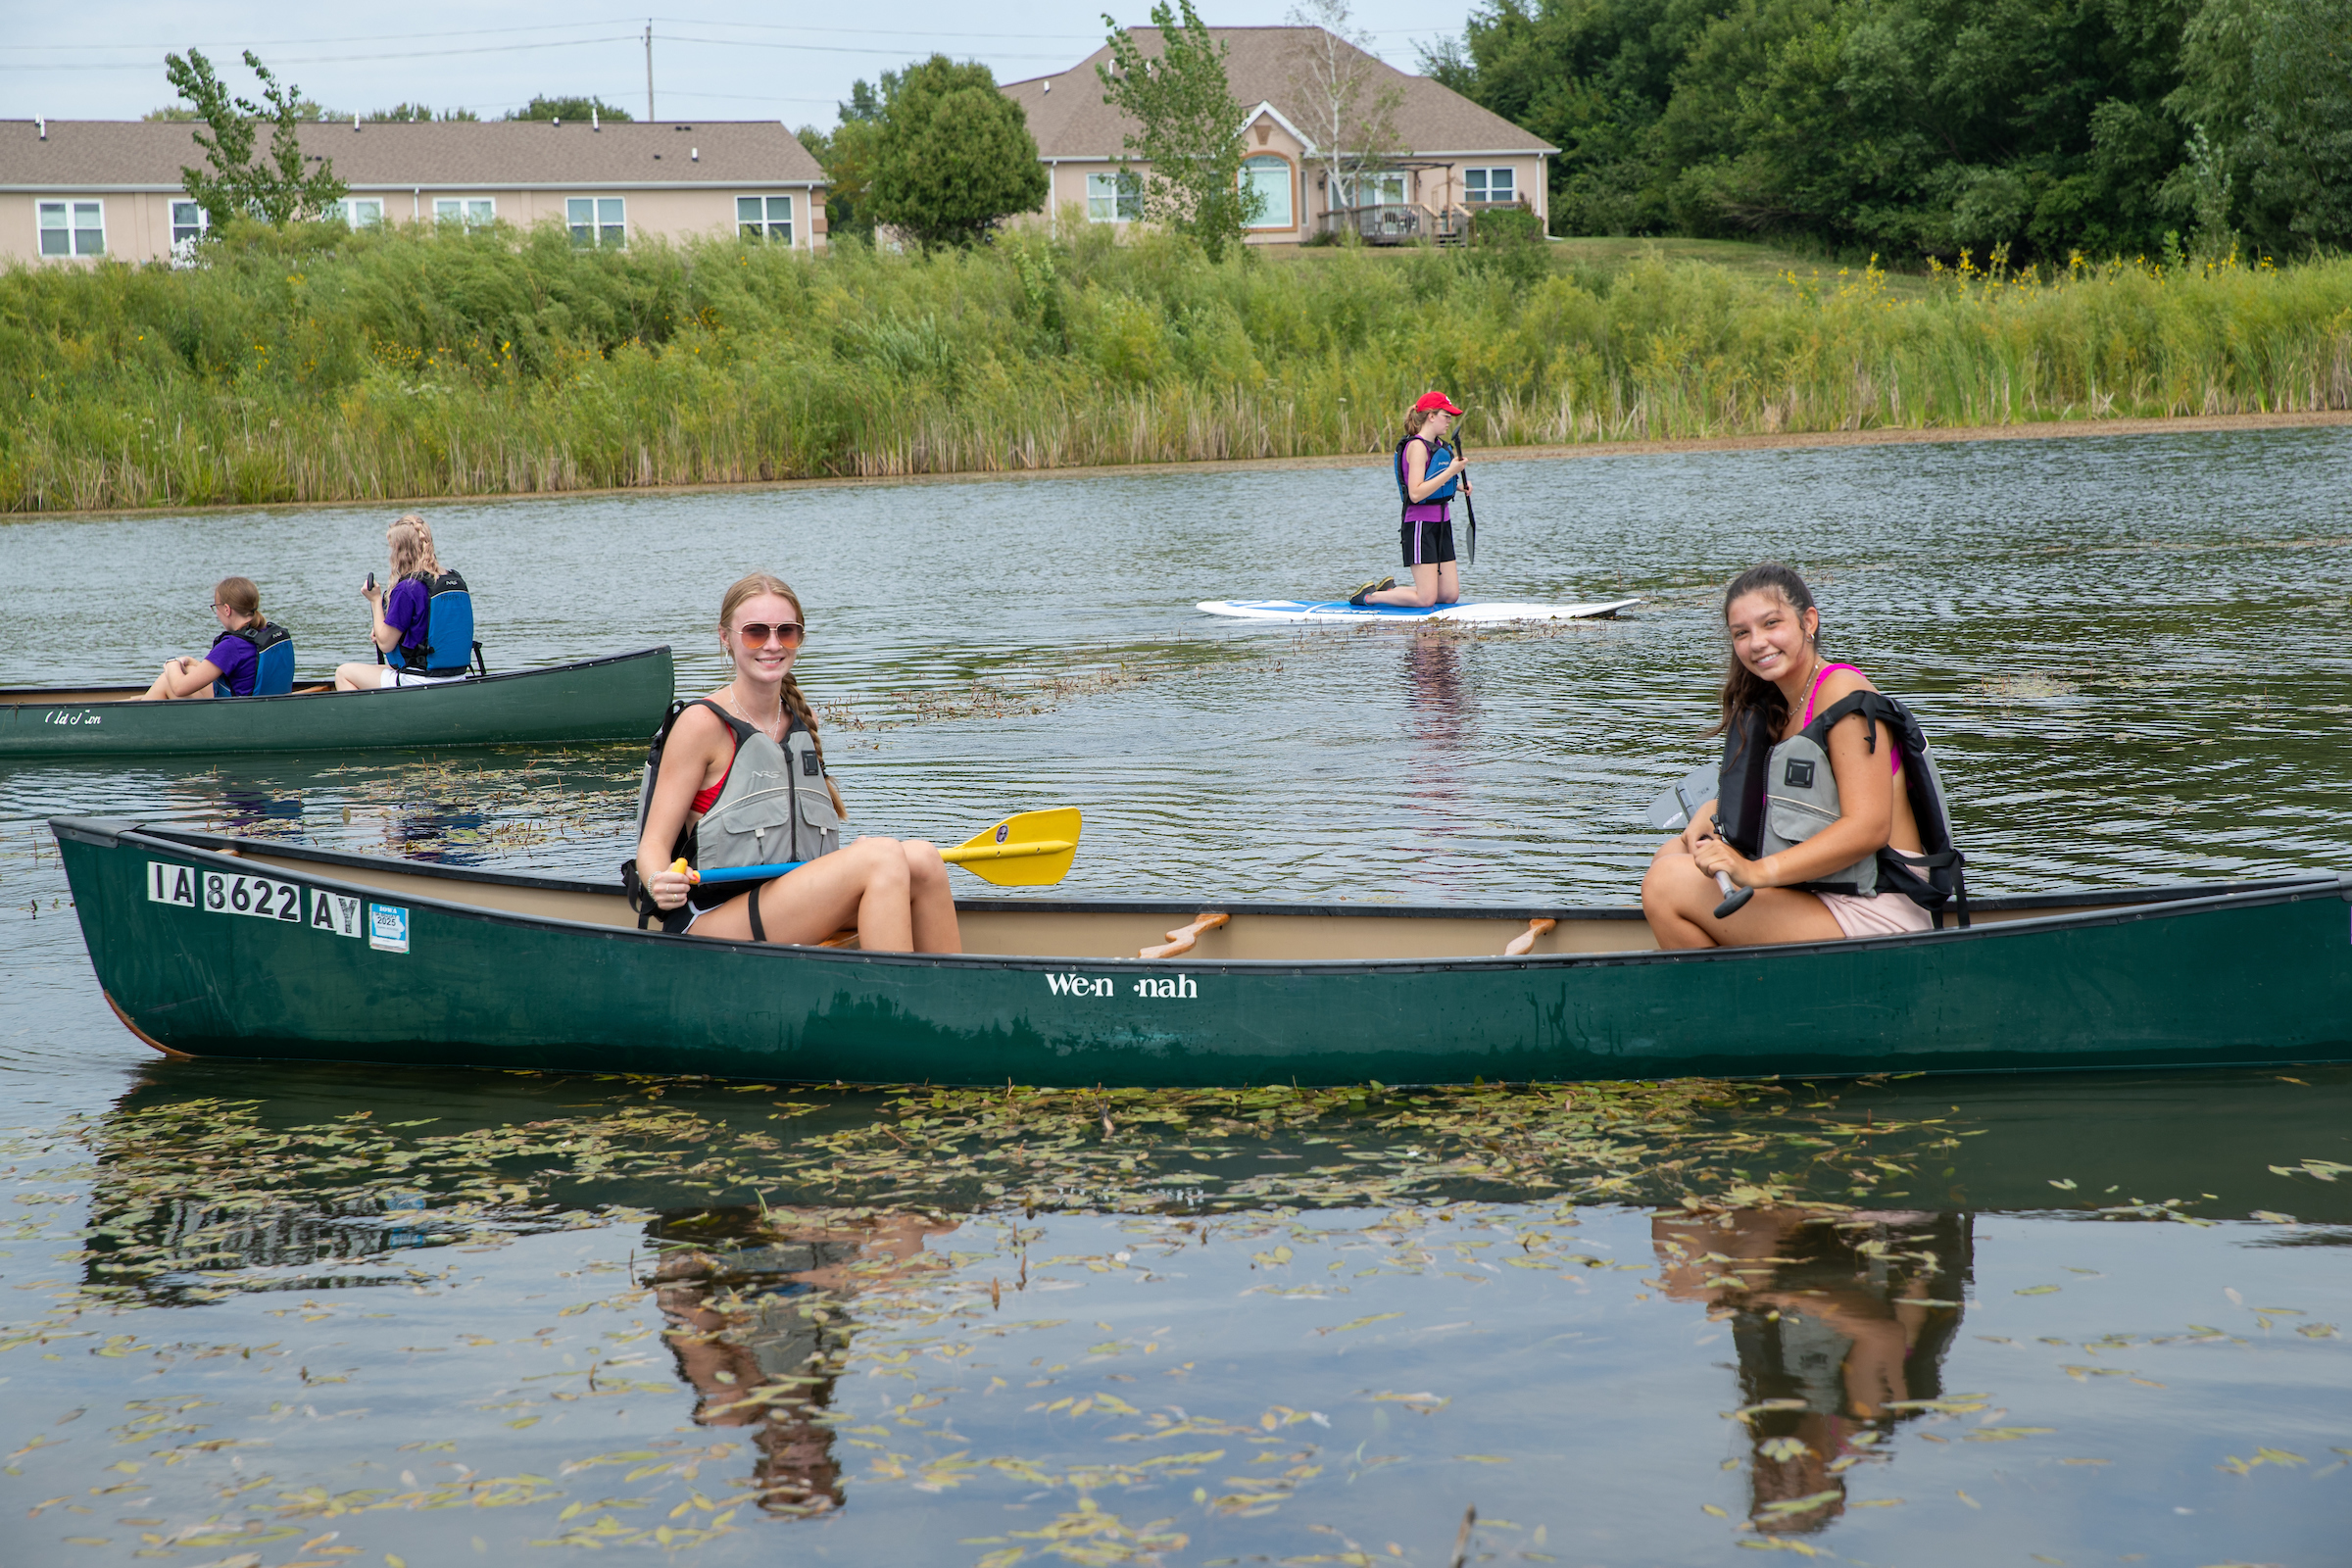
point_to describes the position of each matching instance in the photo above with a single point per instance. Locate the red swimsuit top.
(704, 799)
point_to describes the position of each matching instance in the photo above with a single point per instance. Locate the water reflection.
(1840, 1323)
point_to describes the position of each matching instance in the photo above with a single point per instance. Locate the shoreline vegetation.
(415, 363)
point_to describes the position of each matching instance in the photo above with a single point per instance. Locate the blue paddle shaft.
(750, 873)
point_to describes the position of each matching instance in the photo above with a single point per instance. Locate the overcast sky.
(721, 60)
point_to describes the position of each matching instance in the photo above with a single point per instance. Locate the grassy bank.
(422, 363)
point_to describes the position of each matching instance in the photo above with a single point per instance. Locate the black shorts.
(1426, 543)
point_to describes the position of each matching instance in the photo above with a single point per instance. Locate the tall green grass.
(417, 362)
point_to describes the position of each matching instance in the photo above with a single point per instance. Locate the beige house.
(1451, 158)
(76, 189)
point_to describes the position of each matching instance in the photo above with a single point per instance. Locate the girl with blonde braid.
(737, 778)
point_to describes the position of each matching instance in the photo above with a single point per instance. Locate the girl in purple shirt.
(400, 613)
(237, 606)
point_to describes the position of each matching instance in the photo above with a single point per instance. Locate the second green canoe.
(617, 698)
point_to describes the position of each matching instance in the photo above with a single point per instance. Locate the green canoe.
(618, 698)
(208, 946)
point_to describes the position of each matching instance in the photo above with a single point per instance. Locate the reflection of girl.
(403, 614)
(699, 806)
(1429, 474)
(236, 653)
(1843, 856)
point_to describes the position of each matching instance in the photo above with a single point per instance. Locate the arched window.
(1270, 178)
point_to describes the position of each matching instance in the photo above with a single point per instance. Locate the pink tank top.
(1895, 756)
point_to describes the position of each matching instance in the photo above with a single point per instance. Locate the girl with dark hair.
(1852, 838)
(231, 666)
(738, 778)
(1429, 473)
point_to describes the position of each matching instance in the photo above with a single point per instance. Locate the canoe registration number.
(342, 914)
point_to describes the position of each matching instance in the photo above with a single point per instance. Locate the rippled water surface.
(2080, 1320)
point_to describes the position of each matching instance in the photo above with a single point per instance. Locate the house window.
(1379, 187)
(1113, 198)
(190, 223)
(1488, 185)
(1270, 178)
(763, 217)
(362, 211)
(596, 221)
(72, 229)
(470, 211)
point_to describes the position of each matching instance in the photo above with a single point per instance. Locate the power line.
(328, 59)
(380, 37)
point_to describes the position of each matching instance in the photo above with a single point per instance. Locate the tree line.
(1921, 127)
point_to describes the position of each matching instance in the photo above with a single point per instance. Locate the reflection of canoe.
(1344, 612)
(615, 698)
(364, 958)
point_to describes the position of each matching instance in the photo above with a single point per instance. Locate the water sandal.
(1376, 585)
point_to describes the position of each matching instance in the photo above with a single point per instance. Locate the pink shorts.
(1890, 914)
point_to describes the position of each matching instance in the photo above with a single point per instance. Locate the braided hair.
(795, 702)
(411, 539)
(1744, 691)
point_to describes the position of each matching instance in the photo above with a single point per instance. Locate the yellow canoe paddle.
(1029, 850)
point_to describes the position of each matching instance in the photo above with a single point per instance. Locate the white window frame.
(471, 211)
(1485, 196)
(762, 221)
(1113, 198)
(1366, 181)
(353, 211)
(1290, 200)
(596, 221)
(186, 235)
(69, 230)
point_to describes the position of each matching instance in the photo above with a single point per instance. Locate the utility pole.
(649, 71)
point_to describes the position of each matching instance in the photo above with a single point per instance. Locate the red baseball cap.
(1431, 401)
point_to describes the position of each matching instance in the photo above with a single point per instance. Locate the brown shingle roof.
(114, 154)
(1073, 121)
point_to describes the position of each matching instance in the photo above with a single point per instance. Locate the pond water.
(269, 1316)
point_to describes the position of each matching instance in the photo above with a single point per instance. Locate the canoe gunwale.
(2118, 907)
(32, 695)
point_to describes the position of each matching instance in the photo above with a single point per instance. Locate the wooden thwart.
(1180, 941)
(1525, 941)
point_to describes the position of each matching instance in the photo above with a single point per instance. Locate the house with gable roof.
(1453, 159)
(78, 190)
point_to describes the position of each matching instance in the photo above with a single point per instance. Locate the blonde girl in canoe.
(1829, 779)
(738, 778)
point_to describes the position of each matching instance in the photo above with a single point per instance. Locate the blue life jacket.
(1439, 454)
(449, 646)
(272, 660)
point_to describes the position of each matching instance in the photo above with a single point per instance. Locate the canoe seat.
(1182, 940)
(1525, 941)
(846, 936)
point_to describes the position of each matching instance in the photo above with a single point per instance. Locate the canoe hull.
(2243, 978)
(610, 699)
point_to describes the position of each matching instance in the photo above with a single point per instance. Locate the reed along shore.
(411, 362)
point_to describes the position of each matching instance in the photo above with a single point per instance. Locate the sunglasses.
(756, 634)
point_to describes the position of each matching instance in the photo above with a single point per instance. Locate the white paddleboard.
(1340, 609)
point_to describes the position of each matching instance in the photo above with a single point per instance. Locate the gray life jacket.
(1799, 799)
(776, 806)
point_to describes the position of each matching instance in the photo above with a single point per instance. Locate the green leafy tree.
(847, 154)
(400, 113)
(953, 157)
(1189, 129)
(574, 108)
(2267, 85)
(279, 190)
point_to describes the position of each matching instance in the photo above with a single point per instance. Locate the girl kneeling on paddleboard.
(1429, 473)
(738, 779)
(1828, 779)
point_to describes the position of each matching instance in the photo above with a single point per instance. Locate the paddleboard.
(1340, 609)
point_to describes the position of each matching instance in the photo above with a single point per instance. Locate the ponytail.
(240, 595)
(1744, 691)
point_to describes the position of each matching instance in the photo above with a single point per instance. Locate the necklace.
(743, 711)
(1812, 670)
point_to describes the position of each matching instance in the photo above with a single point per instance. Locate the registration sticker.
(170, 884)
(266, 897)
(387, 928)
(336, 913)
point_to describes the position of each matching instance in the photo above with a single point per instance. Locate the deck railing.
(1399, 223)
